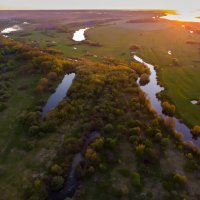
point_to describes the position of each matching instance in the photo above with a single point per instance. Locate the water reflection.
(151, 89)
(59, 94)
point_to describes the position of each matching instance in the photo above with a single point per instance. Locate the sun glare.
(187, 16)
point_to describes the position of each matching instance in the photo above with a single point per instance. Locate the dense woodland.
(136, 155)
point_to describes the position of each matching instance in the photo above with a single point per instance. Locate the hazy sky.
(101, 4)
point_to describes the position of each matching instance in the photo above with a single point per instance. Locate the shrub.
(91, 155)
(168, 108)
(2, 106)
(48, 126)
(108, 128)
(56, 169)
(98, 143)
(124, 172)
(190, 166)
(175, 182)
(34, 129)
(111, 143)
(135, 179)
(57, 183)
(135, 131)
(43, 82)
(140, 149)
(52, 76)
(196, 131)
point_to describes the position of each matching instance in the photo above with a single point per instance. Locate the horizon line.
(83, 9)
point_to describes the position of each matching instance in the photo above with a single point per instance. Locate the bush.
(52, 76)
(56, 169)
(168, 109)
(135, 179)
(34, 129)
(124, 172)
(108, 128)
(2, 106)
(175, 182)
(135, 131)
(43, 82)
(57, 183)
(190, 166)
(48, 126)
(196, 131)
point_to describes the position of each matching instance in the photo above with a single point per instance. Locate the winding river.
(59, 94)
(151, 89)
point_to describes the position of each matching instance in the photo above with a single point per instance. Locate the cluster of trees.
(196, 131)
(104, 97)
(168, 108)
(142, 71)
(7, 66)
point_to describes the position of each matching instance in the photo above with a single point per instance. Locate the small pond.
(79, 35)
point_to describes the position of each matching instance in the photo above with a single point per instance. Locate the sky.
(101, 4)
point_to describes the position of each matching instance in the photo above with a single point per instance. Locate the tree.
(144, 79)
(168, 108)
(56, 169)
(135, 179)
(52, 76)
(43, 81)
(57, 183)
(196, 131)
(2, 106)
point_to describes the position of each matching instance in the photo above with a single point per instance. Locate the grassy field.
(183, 85)
(154, 41)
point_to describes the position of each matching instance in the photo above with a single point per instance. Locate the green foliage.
(2, 106)
(56, 169)
(135, 179)
(135, 131)
(57, 183)
(175, 182)
(196, 131)
(34, 130)
(144, 79)
(108, 128)
(168, 108)
(191, 166)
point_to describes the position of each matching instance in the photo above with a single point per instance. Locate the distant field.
(182, 82)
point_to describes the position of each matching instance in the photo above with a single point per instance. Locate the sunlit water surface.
(187, 16)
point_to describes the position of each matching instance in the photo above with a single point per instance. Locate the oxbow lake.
(59, 94)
